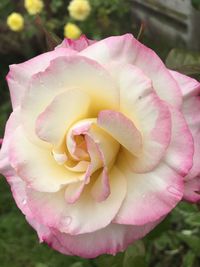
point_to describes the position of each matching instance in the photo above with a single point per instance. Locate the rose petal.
(181, 149)
(150, 195)
(65, 73)
(73, 192)
(151, 116)
(11, 125)
(189, 86)
(66, 108)
(191, 111)
(77, 45)
(121, 129)
(126, 49)
(20, 75)
(109, 240)
(86, 215)
(37, 166)
(192, 190)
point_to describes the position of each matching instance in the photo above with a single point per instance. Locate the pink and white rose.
(190, 89)
(100, 140)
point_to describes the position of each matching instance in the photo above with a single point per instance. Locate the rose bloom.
(79, 9)
(15, 22)
(72, 31)
(98, 144)
(33, 7)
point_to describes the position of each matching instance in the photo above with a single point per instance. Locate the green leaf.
(186, 62)
(192, 242)
(161, 228)
(77, 264)
(134, 255)
(41, 265)
(187, 208)
(193, 219)
(196, 4)
(180, 57)
(108, 260)
(138, 261)
(189, 259)
(56, 5)
(189, 69)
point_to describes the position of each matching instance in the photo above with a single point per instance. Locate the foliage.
(196, 4)
(106, 18)
(186, 62)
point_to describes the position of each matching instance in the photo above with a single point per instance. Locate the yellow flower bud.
(33, 7)
(79, 9)
(15, 22)
(72, 31)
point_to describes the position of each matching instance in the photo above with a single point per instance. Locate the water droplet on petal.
(24, 201)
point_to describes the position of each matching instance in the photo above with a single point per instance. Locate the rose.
(79, 9)
(72, 31)
(97, 146)
(190, 89)
(15, 22)
(33, 7)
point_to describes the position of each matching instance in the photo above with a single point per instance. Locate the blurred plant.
(196, 4)
(33, 7)
(184, 61)
(72, 31)
(15, 22)
(96, 18)
(79, 9)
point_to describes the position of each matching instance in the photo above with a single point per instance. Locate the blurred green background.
(176, 241)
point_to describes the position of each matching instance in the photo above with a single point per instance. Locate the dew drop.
(24, 201)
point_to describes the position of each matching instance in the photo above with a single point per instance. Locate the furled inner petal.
(66, 108)
(108, 147)
(101, 188)
(121, 129)
(85, 140)
(81, 166)
(75, 139)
